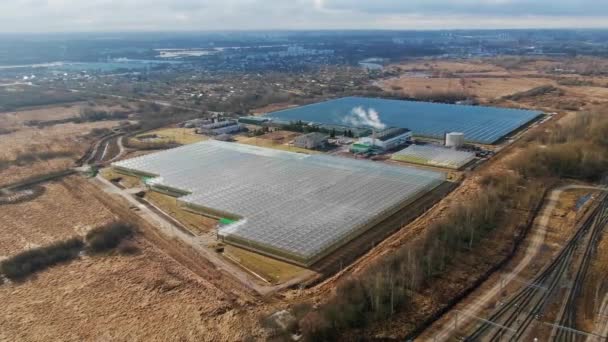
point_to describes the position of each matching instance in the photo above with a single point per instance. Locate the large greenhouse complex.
(290, 206)
(480, 124)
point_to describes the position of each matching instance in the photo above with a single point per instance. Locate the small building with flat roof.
(388, 139)
(311, 140)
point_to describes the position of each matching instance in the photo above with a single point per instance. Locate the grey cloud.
(486, 7)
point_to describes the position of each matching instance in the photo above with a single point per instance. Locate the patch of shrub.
(386, 287)
(127, 247)
(535, 92)
(442, 96)
(4, 131)
(108, 237)
(26, 263)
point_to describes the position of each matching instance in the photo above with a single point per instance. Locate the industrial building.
(311, 140)
(290, 206)
(220, 127)
(387, 139)
(479, 124)
(253, 120)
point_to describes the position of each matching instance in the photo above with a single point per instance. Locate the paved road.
(199, 243)
(473, 311)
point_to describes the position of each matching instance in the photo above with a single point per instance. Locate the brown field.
(197, 224)
(272, 108)
(179, 135)
(146, 296)
(168, 291)
(484, 88)
(448, 66)
(17, 118)
(272, 270)
(489, 80)
(125, 181)
(70, 139)
(272, 143)
(61, 212)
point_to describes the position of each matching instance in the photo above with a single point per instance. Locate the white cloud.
(117, 15)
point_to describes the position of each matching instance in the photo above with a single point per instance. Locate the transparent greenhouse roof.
(485, 125)
(297, 204)
(434, 155)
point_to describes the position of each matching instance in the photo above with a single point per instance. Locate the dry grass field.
(484, 88)
(271, 270)
(69, 140)
(167, 291)
(490, 80)
(65, 142)
(63, 210)
(148, 296)
(276, 140)
(182, 136)
(197, 224)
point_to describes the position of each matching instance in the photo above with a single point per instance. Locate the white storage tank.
(454, 139)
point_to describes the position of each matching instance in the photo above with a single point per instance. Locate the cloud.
(171, 15)
(469, 7)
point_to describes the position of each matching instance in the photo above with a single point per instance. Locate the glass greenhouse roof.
(486, 125)
(434, 155)
(289, 203)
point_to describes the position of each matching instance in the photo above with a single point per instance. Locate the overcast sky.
(172, 15)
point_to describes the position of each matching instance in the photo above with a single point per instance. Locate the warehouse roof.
(391, 133)
(289, 203)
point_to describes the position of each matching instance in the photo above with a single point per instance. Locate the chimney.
(373, 137)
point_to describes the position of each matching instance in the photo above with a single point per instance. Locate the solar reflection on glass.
(485, 125)
(290, 205)
(434, 156)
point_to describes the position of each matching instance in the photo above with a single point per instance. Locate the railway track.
(513, 319)
(568, 317)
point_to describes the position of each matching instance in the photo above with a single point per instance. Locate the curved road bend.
(536, 241)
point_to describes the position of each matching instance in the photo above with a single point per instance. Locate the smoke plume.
(361, 117)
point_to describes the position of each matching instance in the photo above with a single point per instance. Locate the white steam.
(360, 117)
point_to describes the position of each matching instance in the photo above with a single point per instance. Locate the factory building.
(253, 120)
(220, 127)
(387, 139)
(311, 140)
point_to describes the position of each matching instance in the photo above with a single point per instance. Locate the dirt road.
(473, 311)
(198, 243)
